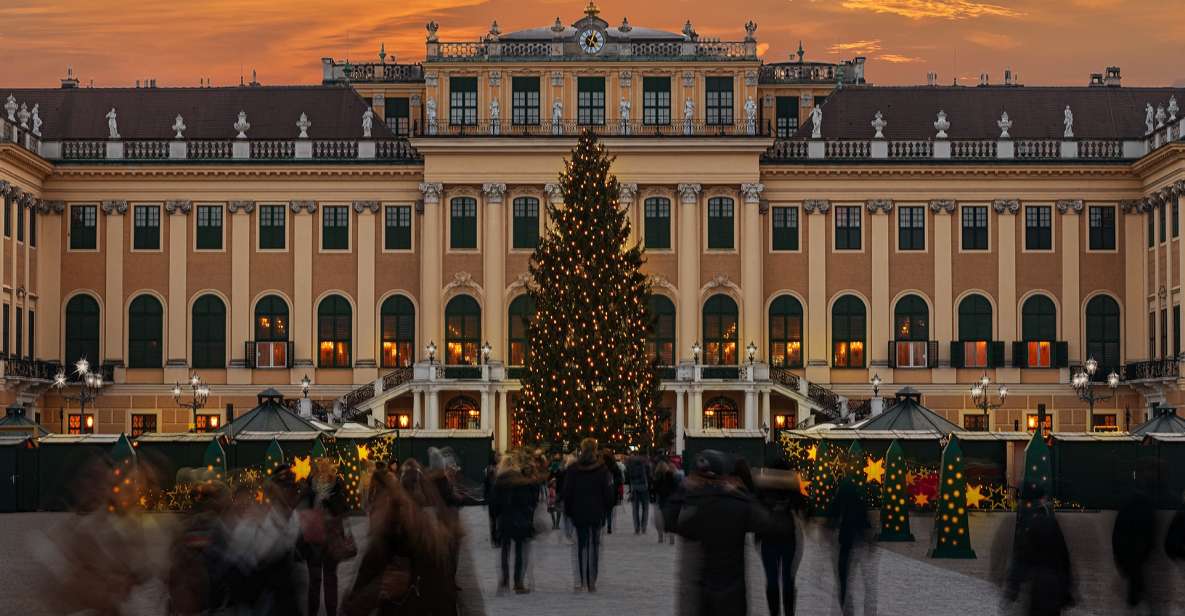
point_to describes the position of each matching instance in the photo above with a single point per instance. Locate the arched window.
(1039, 332)
(271, 332)
(145, 321)
(847, 332)
(785, 332)
(462, 413)
(1102, 333)
(398, 325)
(720, 331)
(522, 310)
(209, 332)
(462, 331)
(660, 341)
(721, 414)
(911, 331)
(974, 349)
(82, 330)
(335, 329)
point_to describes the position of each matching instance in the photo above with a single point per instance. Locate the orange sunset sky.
(115, 42)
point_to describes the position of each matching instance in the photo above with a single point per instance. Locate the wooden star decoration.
(812, 452)
(804, 487)
(921, 500)
(301, 467)
(974, 496)
(910, 478)
(874, 470)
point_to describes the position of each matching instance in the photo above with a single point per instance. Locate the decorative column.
(1152, 204)
(303, 243)
(433, 420)
(695, 401)
(752, 409)
(680, 422)
(49, 281)
(879, 323)
(241, 318)
(752, 248)
(365, 366)
(1006, 210)
(816, 335)
(417, 416)
(627, 194)
(113, 249)
(1071, 296)
(1135, 294)
(1177, 196)
(689, 253)
(494, 277)
(430, 265)
(943, 317)
(503, 441)
(177, 366)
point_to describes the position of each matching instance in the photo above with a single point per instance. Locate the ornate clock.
(591, 41)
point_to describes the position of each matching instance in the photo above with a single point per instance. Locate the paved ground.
(638, 575)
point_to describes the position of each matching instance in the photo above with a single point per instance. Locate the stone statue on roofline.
(367, 123)
(879, 124)
(1161, 116)
(817, 122)
(112, 127)
(37, 119)
(1149, 121)
(1005, 125)
(1068, 121)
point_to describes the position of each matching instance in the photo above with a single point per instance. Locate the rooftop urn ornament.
(879, 124)
(367, 122)
(495, 117)
(112, 127)
(1005, 124)
(816, 122)
(37, 119)
(1173, 109)
(591, 10)
(303, 124)
(179, 127)
(750, 29)
(10, 108)
(625, 25)
(558, 26)
(23, 115)
(688, 31)
(432, 27)
(1149, 121)
(688, 113)
(801, 53)
(751, 116)
(1068, 121)
(941, 125)
(242, 125)
(383, 53)
(1160, 115)
(495, 31)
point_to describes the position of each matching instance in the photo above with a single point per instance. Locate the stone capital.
(1130, 206)
(879, 205)
(308, 206)
(689, 193)
(180, 207)
(1006, 206)
(245, 207)
(1067, 206)
(432, 191)
(555, 193)
(366, 206)
(627, 192)
(493, 191)
(51, 207)
(942, 206)
(816, 206)
(752, 192)
(115, 208)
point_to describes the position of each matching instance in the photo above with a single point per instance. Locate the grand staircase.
(817, 404)
(359, 405)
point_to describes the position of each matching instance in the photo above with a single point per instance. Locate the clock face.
(591, 41)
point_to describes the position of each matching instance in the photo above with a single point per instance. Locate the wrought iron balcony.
(21, 368)
(466, 373)
(1154, 370)
(724, 373)
(676, 128)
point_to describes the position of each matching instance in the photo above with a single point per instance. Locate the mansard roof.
(209, 113)
(613, 33)
(1035, 112)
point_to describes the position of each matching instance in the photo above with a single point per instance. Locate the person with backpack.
(637, 471)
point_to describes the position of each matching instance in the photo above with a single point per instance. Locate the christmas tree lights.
(894, 498)
(951, 538)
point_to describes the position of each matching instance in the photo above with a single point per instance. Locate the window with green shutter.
(398, 115)
(657, 223)
(847, 228)
(1102, 332)
(975, 227)
(1038, 227)
(463, 223)
(145, 320)
(786, 113)
(209, 227)
(82, 330)
(84, 220)
(20, 223)
(19, 327)
(335, 227)
(526, 223)
(272, 227)
(718, 101)
(656, 101)
(524, 101)
(462, 103)
(785, 231)
(33, 227)
(911, 228)
(720, 222)
(397, 227)
(33, 335)
(590, 101)
(146, 227)
(209, 332)
(7, 314)
(1102, 227)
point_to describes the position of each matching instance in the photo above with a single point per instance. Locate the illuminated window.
(271, 332)
(462, 331)
(521, 311)
(720, 331)
(462, 413)
(334, 332)
(142, 423)
(783, 421)
(1039, 331)
(785, 332)
(847, 333)
(398, 332)
(1031, 423)
(206, 423)
(401, 421)
(721, 414)
(660, 339)
(975, 333)
(911, 328)
(975, 423)
(1108, 422)
(80, 424)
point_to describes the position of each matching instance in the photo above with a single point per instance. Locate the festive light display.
(587, 373)
(302, 467)
(824, 477)
(894, 503)
(1038, 472)
(852, 469)
(874, 471)
(951, 537)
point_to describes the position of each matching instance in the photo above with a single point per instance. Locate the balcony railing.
(466, 373)
(610, 128)
(16, 367)
(795, 149)
(699, 49)
(237, 150)
(826, 398)
(1155, 370)
(726, 373)
(371, 72)
(784, 376)
(14, 133)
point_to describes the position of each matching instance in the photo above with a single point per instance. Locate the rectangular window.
(397, 227)
(524, 101)
(462, 101)
(975, 354)
(720, 222)
(1031, 423)
(786, 116)
(463, 223)
(1161, 212)
(6, 315)
(590, 101)
(1151, 335)
(1038, 227)
(209, 227)
(19, 328)
(146, 227)
(206, 423)
(272, 227)
(911, 228)
(1176, 330)
(1102, 228)
(1176, 218)
(656, 100)
(1108, 422)
(142, 423)
(33, 334)
(33, 227)
(80, 424)
(1164, 334)
(975, 227)
(658, 223)
(912, 353)
(83, 222)
(1040, 354)
(785, 233)
(335, 227)
(20, 223)
(398, 114)
(975, 423)
(1151, 230)
(526, 223)
(8, 203)
(847, 228)
(718, 103)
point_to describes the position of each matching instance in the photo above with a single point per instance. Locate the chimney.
(1096, 80)
(153, 83)
(983, 79)
(1112, 80)
(931, 78)
(70, 82)
(137, 83)
(1007, 76)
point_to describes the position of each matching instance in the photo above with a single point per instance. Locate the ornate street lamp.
(751, 350)
(305, 383)
(876, 384)
(89, 384)
(980, 398)
(199, 393)
(1084, 385)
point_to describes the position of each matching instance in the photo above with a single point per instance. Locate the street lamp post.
(979, 397)
(1084, 386)
(199, 393)
(876, 385)
(751, 351)
(89, 384)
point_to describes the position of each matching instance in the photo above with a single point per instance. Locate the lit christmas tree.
(587, 373)
(951, 537)
(894, 498)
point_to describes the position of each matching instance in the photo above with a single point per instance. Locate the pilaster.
(751, 279)
(879, 322)
(365, 366)
(242, 320)
(689, 254)
(177, 347)
(49, 282)
(943, 318)
(430, 266)
(1006, 211)
(494, 276)
(303, 215)
(1071, 283)
(1135, 301)
(816, 336)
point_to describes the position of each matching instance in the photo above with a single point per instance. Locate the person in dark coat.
(1132, 540)
(1041, 561)
(487, 487)
(848, 515)
(778, 491)
(714, 513)
(637, 470)
(322, 531)
(513, 505)
(618, 485)
(664, 486)
(588, 498)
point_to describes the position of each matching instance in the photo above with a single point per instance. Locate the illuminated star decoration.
(910, 478)
(921, 500)
(363, 452)
(804, 487)
(812, 452)
(974, 496)
(302, 467)
(874, 470)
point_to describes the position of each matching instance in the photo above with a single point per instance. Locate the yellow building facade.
(804, 232)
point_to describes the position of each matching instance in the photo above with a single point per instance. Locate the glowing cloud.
(932, 9)
(856, 47)
(897, 58)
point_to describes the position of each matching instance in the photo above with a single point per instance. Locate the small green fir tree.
(587, 373)
(951, 538)
(894, 498)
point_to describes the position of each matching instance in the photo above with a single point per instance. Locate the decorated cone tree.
(273, 458)
(823, 477)
(854, 470)
(894, 498)
(215, 460)
(1038, 472)
(123, 487)
(587, 373)
(951, 538)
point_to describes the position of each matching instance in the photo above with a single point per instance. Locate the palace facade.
(805, 232)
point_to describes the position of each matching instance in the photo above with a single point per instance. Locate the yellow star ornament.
(812, 452)
(974, 496)
(804, 487)
(301, 467)
(875, 470)
(921, 500)
(363, 452)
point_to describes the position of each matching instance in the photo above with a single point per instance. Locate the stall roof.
(1165, 422)
(13, 438)
(16, 419)
(88, 439)
(994, 436)
(176, 437)
(249, 435)
(850, 434)
(908, 414)
(356, 430)
(1161, 437)
(1094, 436)
(269, 416)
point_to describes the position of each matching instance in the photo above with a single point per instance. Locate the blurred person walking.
(588, 498)
(618, 477)
(1041, 568)
(664, 487)
(513, 503)
(324, 539)
(637, 470)
(778, 491)
(848, 515)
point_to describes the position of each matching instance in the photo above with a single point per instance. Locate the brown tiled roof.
(1036, 112)
(209, 113)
